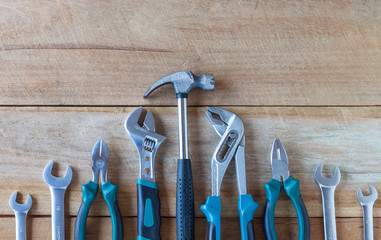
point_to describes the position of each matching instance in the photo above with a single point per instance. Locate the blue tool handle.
(89, 192)
(272, 189)
(110, 192)
(212, 211)
(291, 187)
(246, 209)
(148, 210)
(184, 201)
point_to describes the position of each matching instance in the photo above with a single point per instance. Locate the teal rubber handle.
(272, 188)
(110, 192)
(291, 187)
(89, 192)
(212, 211)
(246, 209)
(148, 210)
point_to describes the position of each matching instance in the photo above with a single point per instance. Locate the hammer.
(183, 82)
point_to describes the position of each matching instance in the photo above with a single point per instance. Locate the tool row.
(230, 129)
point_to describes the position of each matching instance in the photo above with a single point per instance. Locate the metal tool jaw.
(146, 141)
(18, 207)
(322, 181)
(232, 144)
(369, 199)
(100, 158)
(279, 161)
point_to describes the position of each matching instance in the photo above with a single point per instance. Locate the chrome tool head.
(279, 161)
(232, 144)
(99, 158)
(327, 182)
(17, 207)
(369, 199)
(146, 141)
(183, 82)
(56, 182)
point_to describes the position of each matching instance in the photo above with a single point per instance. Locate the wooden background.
(308, 72)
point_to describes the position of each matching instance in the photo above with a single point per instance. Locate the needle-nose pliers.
(89, 192)
(279, 164)
(232, 144)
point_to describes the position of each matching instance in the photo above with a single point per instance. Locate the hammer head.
(183, 82)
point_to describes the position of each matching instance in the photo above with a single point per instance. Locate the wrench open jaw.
(369, 199)
(18, 207)
(57, 182)
(146, 141)
(324, 181)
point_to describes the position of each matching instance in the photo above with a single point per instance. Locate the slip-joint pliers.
(89, 192)
(279, 164)
(232, 144)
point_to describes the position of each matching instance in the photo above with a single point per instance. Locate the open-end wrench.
(367, 206)
(20, 210)
(57, 188)
(328, 186)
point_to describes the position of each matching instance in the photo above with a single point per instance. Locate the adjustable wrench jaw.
(146, 141)
(232, 144)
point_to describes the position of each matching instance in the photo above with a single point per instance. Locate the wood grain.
(33, 136)
(261, 52)
(100, 228)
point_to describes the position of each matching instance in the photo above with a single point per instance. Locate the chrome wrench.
(20, 210)
(57, 188)
(327, 187)
(367, 203)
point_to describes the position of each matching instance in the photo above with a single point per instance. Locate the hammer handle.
(184, 201)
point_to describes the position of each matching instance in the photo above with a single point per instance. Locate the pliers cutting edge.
(279, 164)
(232, 144)
(89, 192)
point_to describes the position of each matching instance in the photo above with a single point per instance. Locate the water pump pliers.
(232, 145)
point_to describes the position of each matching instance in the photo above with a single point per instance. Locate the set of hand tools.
(230, 129)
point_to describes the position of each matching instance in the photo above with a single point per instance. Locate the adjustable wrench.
(21, 210)
(328, 186)
(57, 188)
(367, 206)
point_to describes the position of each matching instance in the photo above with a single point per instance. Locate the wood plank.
(348, 137)
(100, 228)
(262, 53)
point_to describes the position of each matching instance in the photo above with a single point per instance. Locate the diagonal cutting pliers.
(89, 192)
(279, 164)
(232, 145)
(147, 142)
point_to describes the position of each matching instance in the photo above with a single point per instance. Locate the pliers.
(279, 164)
(147, 142)
(89, 192)
(232, 144)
